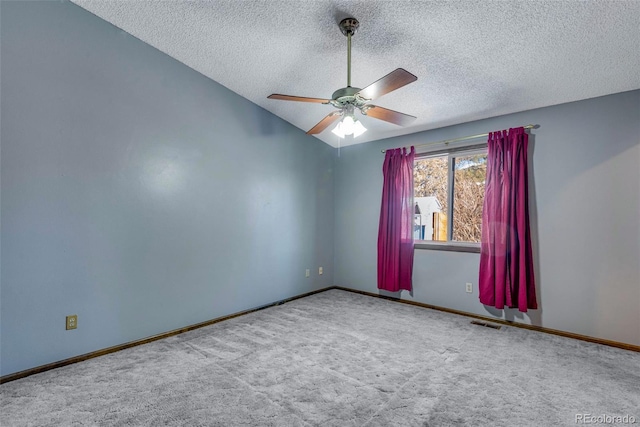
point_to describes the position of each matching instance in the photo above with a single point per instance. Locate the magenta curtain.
(506, 261)
(395, 233)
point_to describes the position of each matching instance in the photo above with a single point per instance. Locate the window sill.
(447, 246)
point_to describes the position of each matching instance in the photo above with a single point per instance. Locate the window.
(449, 194)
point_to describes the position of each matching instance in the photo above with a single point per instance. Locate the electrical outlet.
(469, 287)
(72, 321)
(307, 273)
(320, 271)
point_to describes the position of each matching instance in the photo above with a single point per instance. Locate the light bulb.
(348, 125)
(338, 130)
(358, 129)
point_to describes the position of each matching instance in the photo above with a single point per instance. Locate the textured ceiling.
(473, 59)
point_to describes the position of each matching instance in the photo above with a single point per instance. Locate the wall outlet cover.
(72, 321)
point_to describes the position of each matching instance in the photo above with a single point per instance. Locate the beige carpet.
(336, 359)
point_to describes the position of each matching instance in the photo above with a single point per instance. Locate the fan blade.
(392, 81)
(324, 123)
(390, 116)
(298, 98)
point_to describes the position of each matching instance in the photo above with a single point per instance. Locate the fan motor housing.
(348, 96)
(345, 91)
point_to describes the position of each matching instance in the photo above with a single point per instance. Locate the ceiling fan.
(347, 99)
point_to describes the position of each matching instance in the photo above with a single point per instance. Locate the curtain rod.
(464, 138)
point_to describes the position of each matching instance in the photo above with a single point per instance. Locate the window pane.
(430, 193)
(470, 172)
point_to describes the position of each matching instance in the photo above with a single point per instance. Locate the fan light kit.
(347, 99)
(349, 125)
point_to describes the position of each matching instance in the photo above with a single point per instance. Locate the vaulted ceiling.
(473, 59)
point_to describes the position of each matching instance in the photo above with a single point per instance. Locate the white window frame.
(451, 153)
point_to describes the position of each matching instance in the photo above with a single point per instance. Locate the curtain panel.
(506, 260)
(395, 232)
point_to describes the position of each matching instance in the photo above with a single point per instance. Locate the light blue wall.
(144, 197)
(140, 195)
(585, 195)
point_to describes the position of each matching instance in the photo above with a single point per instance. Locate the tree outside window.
(450, 180)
